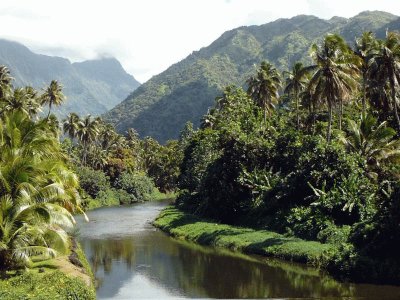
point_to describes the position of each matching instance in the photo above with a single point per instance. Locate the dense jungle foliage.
(114, 169)
(313, 152)
(44, 182)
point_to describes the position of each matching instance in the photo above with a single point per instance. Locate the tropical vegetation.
(320, 161)
(38, 190)
(114, 169)
(309, 160)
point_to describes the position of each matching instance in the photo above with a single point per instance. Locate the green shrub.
(139, 187)
(92, 181)
(200, 152)
(110, 197)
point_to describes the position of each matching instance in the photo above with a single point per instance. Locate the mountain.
(91, 87)
(185, 91)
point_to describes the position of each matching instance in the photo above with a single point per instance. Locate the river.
(133, 260)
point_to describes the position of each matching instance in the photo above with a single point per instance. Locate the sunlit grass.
(262, 242)
(54, 278)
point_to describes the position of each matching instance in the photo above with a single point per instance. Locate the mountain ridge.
(184, 92)
(87, 87)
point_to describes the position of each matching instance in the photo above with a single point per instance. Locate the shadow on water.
(144, 263)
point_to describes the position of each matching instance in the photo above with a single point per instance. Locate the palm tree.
(70, 125)
(97, 158)
(31, 229)
(53, 95)
(37, 190)
(22, 99)
(295, 84)
(53, 125)
(107, 136)
(373, 141)
(335, 76)
(263, 87)
(384, 69)
(34, 106)
(365, 47)
(5, 82)
(87, 132)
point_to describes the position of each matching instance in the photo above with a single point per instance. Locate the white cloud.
(147, 36)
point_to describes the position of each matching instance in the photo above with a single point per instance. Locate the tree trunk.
(364, 96)
(48, 115)
(328, 136)
(84, 153)
(340, 114)
(71, 146)
(297, 111)
(396, 113)
(265, 116)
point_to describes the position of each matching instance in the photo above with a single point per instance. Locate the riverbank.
(64, 277)
(261, 242)
(110, 199)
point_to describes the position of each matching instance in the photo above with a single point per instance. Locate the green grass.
(46, 286)
(206, 232)
(45, 280)
(158, 196)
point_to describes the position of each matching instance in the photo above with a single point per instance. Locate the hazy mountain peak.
(91, 87)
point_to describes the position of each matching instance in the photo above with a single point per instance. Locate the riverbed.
(133, 260)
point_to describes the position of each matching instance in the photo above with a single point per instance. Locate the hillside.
(185, 91)
(91, 87)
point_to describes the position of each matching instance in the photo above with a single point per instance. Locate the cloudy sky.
(147, 36)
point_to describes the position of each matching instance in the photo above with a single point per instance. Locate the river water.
(133, 260)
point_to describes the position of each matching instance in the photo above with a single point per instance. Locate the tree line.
(38, 189)
(52, 169)
(313, 152)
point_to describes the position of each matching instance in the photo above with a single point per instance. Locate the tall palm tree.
(37, 190)
(53, 95)
(21, 99)
(70, 125)
(373, 141)
(384, 68)
(365, 47)
(296, 83)
(335, 76)
(107, 136)
(34, 106)
(87, 132)
(97, 158)
(263, 87)
(5, 82)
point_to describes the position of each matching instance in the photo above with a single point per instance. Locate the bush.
(92, 181)
(139, 187)
(200, 152)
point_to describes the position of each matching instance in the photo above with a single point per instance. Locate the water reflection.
(145, 263)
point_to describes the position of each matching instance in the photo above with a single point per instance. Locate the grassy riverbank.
(51, 279)
(262, 242)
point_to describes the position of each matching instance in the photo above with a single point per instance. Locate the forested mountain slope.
(160, 107)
